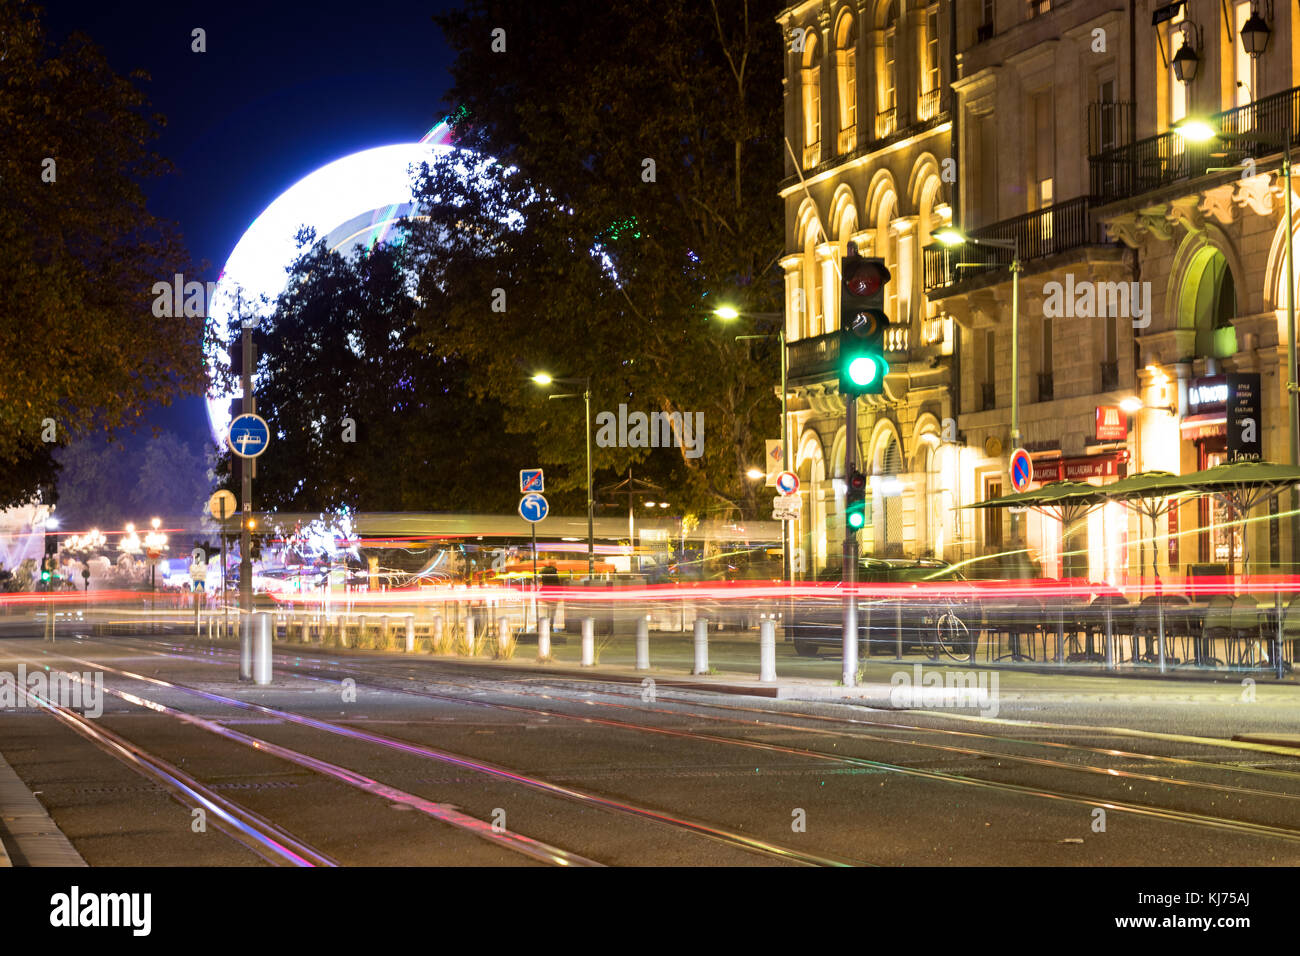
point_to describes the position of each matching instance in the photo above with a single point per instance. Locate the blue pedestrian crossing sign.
(533, 507)
(248, 436)
(530, 479)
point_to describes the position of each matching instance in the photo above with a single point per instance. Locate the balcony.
(1045, 386)
(847, 140)
(1167, 159)
(1046, 232)
(886, 123)
(814, 358)
(988, 396)
(927, 105)
(1109, 376)
(817, 358)
(812, 155)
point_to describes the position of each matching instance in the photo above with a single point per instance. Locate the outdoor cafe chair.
(1019, 618)
(1246, 631)
(1123, 616)
(1216, 626)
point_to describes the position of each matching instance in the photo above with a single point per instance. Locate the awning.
(1209, 425)
(1077, 469)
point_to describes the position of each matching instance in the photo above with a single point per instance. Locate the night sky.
(283, 88)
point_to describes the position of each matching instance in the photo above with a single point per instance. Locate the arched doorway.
(887, 498)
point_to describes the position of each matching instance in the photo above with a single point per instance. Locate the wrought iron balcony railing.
(1164, 160)
(1045, 232)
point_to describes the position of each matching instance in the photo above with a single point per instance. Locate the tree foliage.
(361, 417)
(634, 154)
(79, 254)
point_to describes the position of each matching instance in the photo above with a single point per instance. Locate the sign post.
(533, 508)
(248, 437)
(221, 506)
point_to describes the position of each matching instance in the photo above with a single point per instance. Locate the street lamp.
(1199, 131)
(952, 238)
(728, 313)
(542, 378)
(755, 473)
(1132, 405)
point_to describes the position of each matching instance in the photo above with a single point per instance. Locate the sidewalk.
(28, 836)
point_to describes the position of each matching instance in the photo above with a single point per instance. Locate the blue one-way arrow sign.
(530, 479)
(533, 507)
(249, 435)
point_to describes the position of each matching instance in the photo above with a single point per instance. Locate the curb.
(27, 830)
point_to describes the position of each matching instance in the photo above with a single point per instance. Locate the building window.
(1242, 59)
(989, 390)
(1107, 117)
(1177, 105)
(812, 103)
(846, 62)
(887, 120)
(928, 106)
(1046, 391)
(992, 516)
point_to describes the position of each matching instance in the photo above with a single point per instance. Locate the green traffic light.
(863, 370)
(855, 519)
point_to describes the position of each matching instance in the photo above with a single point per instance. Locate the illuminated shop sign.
(1209, 394)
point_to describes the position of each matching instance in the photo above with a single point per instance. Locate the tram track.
(1141, 809)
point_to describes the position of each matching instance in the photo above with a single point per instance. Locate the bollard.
(261, 627)
(588, 642)
(1110, 637)
(544, 639)
(767, 651)
(469, 633)
(361, 630)
(382, 642)
(503, 636)
(642, 644)
(410, 634)
(701, 646)
(245, 647)
(437, 634)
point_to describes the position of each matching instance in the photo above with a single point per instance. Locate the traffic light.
(862, 325)
(855, 501)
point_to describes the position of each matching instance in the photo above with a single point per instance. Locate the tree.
(635, 156)
(81, 351)
(107, 485)
(362, 418)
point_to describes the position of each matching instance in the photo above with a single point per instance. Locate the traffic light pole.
(850, 565)
(249, 406)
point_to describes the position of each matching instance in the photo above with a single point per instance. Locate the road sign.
(533, 507)
(787, 483)
(198, 572)
(248, 436)
(222, 505)
(1022, 469)
(530, 479)
(786, 508)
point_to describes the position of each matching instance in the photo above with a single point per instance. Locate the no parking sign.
(1022, 469)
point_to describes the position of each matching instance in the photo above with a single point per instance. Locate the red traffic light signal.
(864, 277)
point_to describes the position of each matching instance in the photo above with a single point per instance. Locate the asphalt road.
(364, 759)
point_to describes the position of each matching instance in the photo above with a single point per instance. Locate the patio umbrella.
(1241, 485)
(1066, 501)
(1150, 494)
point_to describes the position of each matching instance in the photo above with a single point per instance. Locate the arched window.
(927, 106)
(887, 119)
(812, 102)
(887, 499)
(846, 71)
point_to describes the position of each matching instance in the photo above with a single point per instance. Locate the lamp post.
(952, 237)
(541, 378)
(1200, 131)
(727, 314)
